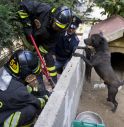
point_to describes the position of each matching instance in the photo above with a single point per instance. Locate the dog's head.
(95, 40)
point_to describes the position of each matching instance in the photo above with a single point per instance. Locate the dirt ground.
(95, 100)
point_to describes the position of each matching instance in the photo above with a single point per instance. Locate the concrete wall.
(62, 105)
(61, 108)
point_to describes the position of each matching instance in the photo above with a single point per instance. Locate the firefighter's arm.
(24, 98)
(37, 102)
(75, 44)
(29, 9)
(25, 20)
(41, 95)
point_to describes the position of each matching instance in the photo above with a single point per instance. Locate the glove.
(41, 93)
(45, 92)
(43, 51)
(43, 100)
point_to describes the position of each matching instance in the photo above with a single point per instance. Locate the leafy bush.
(111, 7)
(9, 25)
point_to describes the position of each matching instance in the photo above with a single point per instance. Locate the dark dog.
(101, 61)
(89, 52)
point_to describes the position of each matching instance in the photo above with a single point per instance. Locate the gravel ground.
(95, 100)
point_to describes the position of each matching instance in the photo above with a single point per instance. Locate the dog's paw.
(77, 55)
(114, 109)
(96, 86)
(115, 104)
(74, 54)
(102, 85)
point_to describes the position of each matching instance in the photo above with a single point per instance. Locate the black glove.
(45, 92)
(41, 93)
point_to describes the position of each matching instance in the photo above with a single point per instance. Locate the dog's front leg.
(84, 58)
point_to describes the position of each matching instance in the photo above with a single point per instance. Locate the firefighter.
(66, 45)
(18, 107)
(44, 23)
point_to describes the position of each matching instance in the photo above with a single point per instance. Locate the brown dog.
(101, 61)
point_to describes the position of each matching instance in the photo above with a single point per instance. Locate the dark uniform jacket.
(15, 97)
(66, 45)
(30, 10)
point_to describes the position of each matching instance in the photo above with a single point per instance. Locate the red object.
(43, 66)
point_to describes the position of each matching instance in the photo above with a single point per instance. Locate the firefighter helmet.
(62, 17)
(23, 63)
